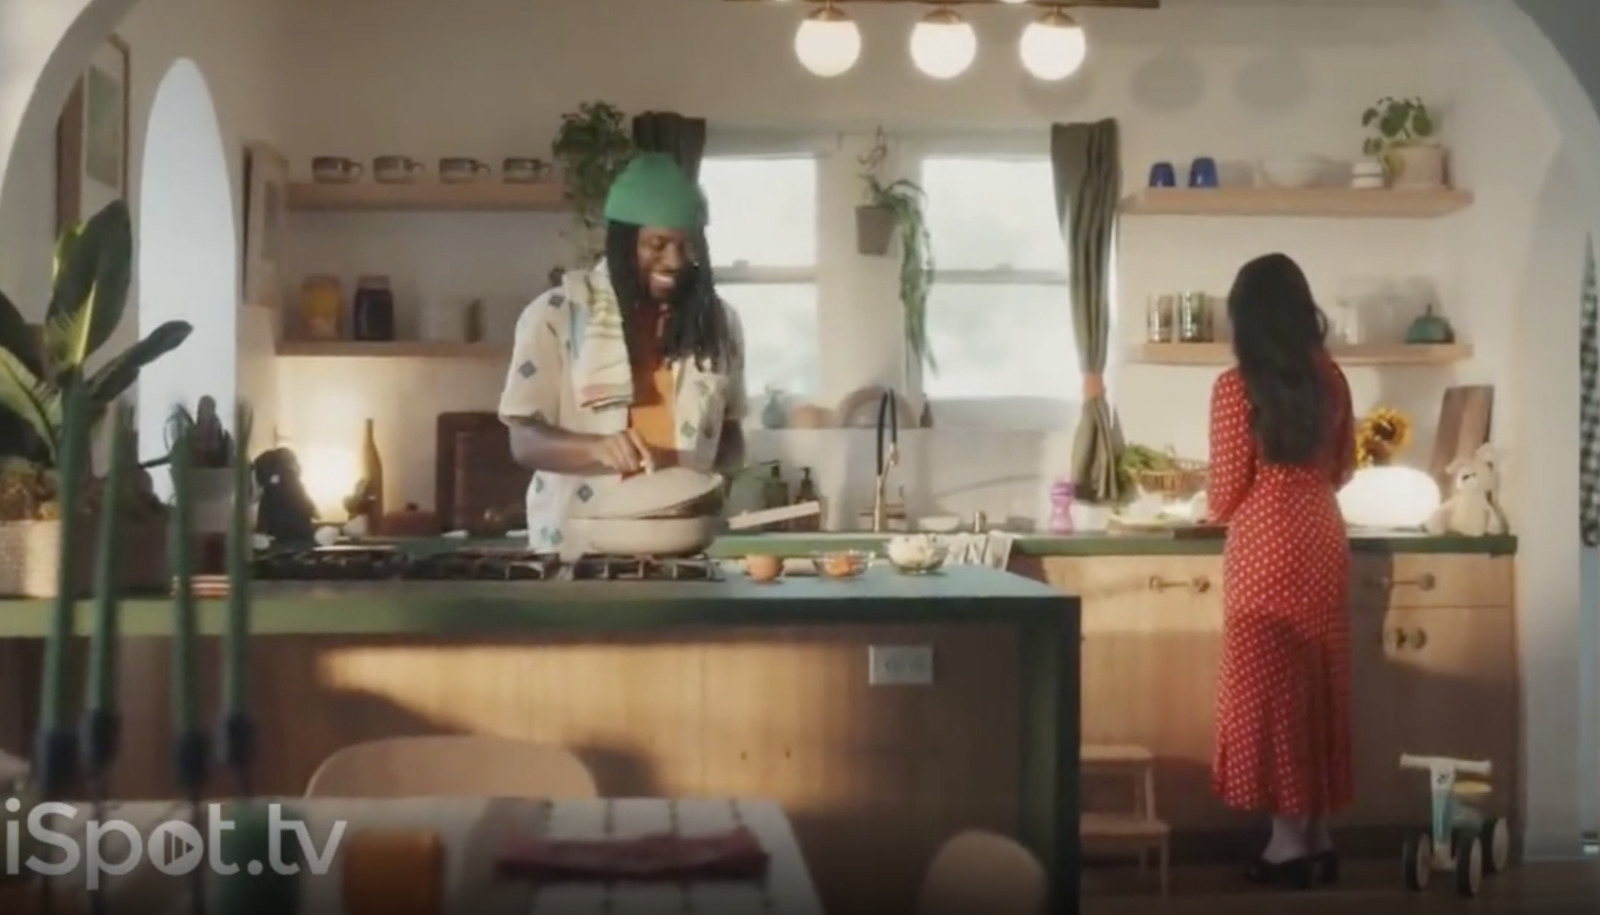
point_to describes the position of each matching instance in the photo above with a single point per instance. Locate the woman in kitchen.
(633, 365)
(1282, 444)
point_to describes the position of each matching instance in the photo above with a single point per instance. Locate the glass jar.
(1194, 318)
(321, 307)
(1061, 498)
(372, 315)
(1159, 317)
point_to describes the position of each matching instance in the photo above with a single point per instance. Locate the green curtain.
(1087, 168)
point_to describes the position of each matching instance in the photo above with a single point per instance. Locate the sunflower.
(1382, 435)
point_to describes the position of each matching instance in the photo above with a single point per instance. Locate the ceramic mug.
(456, 169)
(1203, 172)
(1162, 174)
(395, 169)
(335, 169)
(524, 169)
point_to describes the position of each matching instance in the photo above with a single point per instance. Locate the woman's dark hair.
(1278, 339)
(697, 327)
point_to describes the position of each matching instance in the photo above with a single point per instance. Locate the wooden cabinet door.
(1374, 719)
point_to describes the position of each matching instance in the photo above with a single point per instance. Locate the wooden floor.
(1366, 887)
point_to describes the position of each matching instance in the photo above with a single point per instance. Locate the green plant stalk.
(52, 711)
(236, 677)
(107, 586)
(185, 672)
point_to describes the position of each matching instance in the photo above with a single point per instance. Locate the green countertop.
(1104, 544)
(965, 594)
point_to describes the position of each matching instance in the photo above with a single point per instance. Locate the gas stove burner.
(643, 568)
(382, 563)
(333, 563)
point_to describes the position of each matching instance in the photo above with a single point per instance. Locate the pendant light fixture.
(943, 45)
(828, 42)
(1054, 47)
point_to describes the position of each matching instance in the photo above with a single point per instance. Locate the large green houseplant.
(93, 268)
(893, 208)
(592, 147)
(39, 363)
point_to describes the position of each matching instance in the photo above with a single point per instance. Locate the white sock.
(1318, 836)
(1288, 840)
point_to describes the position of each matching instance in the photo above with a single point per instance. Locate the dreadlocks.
(696, 326)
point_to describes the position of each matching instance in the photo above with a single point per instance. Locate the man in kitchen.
(632, 365)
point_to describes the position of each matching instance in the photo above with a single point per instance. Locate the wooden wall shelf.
(1324, 202)
(484, 196)
(397, 349)
(1365, 354)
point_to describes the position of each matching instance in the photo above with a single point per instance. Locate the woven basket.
(30, 557)
(1186, 479)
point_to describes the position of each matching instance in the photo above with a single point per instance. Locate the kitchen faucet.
(888, 457)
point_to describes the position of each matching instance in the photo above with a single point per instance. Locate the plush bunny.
(1472, 508)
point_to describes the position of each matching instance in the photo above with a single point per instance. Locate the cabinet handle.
(1426, 582)
(1198, 584)
(1402, 638)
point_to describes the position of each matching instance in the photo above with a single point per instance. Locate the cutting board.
(1464, 424)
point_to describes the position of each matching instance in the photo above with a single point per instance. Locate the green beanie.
(654, 191)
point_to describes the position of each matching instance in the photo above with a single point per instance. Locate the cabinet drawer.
(1433, 580)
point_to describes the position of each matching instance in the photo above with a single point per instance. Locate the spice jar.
(373, 313)
(1159, 317)
(321, 307)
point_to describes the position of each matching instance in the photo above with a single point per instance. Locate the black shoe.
(1295, 873)
(1327, 863)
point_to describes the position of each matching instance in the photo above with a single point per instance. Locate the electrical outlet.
(900, 665)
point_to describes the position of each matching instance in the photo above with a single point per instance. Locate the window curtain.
(683, 138)
(1086, 164)
(1589, 406)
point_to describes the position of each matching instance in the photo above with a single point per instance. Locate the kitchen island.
(666, 688)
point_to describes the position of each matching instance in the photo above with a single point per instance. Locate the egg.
(763, 568)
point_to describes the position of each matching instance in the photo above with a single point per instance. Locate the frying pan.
(685, 536)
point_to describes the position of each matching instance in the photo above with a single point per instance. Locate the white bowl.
(1292, 171)
(916, 552)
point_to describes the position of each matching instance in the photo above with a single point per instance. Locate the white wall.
(1195, 79)
(235, 43)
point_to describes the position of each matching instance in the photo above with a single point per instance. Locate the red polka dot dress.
(1283, 693)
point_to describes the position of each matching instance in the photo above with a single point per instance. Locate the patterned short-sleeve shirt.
(542, 384)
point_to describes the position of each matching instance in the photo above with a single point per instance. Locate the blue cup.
(1203, 173)
(1162, 174)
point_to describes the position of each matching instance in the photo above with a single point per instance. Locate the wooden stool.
(1138, 831)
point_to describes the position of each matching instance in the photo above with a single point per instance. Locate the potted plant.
(896, 208)
(1402, 138)
(38, 363)
(210, 462)
(592, 147)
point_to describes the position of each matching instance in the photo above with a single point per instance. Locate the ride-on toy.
(1461, 839)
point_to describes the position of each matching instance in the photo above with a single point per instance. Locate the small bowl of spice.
(841, 564)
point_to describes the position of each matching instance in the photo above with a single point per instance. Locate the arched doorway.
(188, 266)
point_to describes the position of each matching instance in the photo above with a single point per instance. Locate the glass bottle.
(371, 481)
(1160, 312)
(321, 307)
(1194, 318)
(373, 313)
(806, 491)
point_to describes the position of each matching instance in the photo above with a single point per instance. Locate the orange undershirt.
(651, 414)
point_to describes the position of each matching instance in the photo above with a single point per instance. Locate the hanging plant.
(592, 147)
(897, 208)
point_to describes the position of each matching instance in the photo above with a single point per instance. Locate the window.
(999, 317)
(763, 241)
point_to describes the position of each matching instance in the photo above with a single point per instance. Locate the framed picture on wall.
(92, 138)
(266, 189)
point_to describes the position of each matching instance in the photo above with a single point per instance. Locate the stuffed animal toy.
(1472, 508)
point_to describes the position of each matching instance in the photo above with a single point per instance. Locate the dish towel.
(733, 855)
(605, 374)
(992, 549)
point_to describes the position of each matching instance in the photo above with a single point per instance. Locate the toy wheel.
(1496, 837)
(1416, 861)
(1469, 866)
